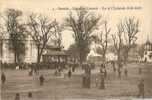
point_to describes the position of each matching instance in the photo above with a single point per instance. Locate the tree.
(73, 51)
(58, 35)
(118, 42)
(103, 40)
(1, 40)
(16, 31)
(141, 50)
(82, 23)
(42, 31)
(131, 28)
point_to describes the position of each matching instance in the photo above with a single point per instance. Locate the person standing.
(17, 96)
(3, 78)
(69, 73)
(140, 71)
(141, 88)
(113, 65)
(126, 72)
(119, 72)
(30, 94)
(102, 82)
(41, 79)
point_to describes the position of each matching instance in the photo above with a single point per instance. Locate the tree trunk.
(18, 57)
(38, 58)
(126, 55)
(38, 55)
(15, 58)
(119, 59)
(104, 57)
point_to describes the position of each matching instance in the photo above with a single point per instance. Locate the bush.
(41, 65)
(8, 66)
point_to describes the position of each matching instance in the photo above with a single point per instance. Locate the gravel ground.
(64, 88)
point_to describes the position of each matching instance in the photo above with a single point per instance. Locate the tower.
(148, 44)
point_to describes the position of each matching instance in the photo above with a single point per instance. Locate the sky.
(52, 9)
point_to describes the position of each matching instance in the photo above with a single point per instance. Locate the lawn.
(68, 88)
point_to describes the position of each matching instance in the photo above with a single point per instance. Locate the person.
(29, 94)
(69, 73)
(56, 72)
(73, 67)
(88, 76)
(102, 82)
(105, 73)
(3, 78)
(140, 70)
(96, 81)
(30, 71)
(41, 78)
(84, 80)
(101, 69)
(119, 72)
(141, 88)
(126, 72)
(17, 67)
(88, 79)
(17, 96)
(113, 65)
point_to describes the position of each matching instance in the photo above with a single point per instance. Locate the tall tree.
(118, 42)
(131, 29)
(16, 32)
(141, 50)
(82, 23)
(1, 41)
(103, 39)
(58, 35)
(42, 30)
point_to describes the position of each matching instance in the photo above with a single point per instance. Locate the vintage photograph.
(76, 50)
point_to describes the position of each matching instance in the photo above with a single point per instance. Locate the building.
(54, 54)
(7, 56)
(147, 51)
(49, 55)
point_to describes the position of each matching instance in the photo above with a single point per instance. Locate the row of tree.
(40, 28)
(81, 23)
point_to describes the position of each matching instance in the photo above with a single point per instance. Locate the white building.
(7, 56)
(147, 52)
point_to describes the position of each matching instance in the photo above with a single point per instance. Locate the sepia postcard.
(76, 49)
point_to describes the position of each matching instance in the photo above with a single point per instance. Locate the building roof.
(148, 41)
(55, 53)
(52, 47)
